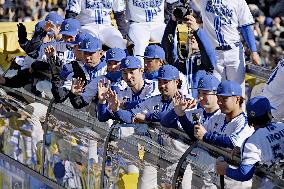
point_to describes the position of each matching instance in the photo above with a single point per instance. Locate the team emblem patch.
(112, 54)
(162, 73)
(252, 113)
(200, 84)
(66, 27)
(88, 44)
(127, 62)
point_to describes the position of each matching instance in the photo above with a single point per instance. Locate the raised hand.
(113, 102)
(181, 104)
(49, 51)
(22, 33)
(77, 86)
(103, 87)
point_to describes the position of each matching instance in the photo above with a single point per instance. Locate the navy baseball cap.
(115, 54)
(39, 25)
(258, 106)
(229, 88)
(131, 62)
(80, 38)
(54, 17)
(154, 52)
(208, 83)
(168, 72)
(90, 44)
(70, 27)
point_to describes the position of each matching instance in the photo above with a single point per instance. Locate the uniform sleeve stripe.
(246, 122)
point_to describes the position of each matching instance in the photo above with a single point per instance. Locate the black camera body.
(180, 12)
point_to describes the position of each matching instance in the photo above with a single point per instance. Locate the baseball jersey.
(149, 89)
(265, 146)
(222, 18)
(147, 10)
(95, 11)
(274, 90)
(237, 129)
(62, 52)
(154, 105)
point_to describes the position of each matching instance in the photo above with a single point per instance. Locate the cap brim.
(113, 59)
(68, 33)
(89, 50)
(72, 43)
(167, 78)
(224, 94)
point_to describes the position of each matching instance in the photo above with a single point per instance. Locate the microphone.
(222, 179)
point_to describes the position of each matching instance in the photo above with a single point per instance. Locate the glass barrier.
(68, 148)
(142, 156)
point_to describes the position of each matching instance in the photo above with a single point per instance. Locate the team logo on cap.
(112, 54)
(66, 26)
(88, 44)
(252, 113)
(126, 62)
(162, 72)
(201, 83)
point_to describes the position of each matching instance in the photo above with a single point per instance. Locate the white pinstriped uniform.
(265, 146)
(95, 17)
(146, 22)
(221, 20)
(149, 89)
(274, 91)
(61, 50)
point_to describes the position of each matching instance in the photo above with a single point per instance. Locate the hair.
(179, 84)
(241, 101)
(260, 120)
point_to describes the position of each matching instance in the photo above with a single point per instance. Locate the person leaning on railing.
(264, 146)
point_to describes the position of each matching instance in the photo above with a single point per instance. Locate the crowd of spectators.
(28, 10)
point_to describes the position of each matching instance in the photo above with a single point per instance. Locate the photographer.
(202, 59)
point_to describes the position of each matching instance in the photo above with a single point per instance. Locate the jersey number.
(219, 34)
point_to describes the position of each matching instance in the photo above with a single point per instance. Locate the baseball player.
(154, 58)
(202, 59)
(59, 50)
(154, 108)
(206, 109)
(265, 146)
(274, 91)
(50, 26)
(62, 78)
(146, 22)
(138, 89)
(222, 21)
(229, 129)
(112, 78)
(95, 18)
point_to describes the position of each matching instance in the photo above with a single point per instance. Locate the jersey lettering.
(98, 4)
(147, 4)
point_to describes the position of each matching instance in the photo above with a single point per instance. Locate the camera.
(181, 12)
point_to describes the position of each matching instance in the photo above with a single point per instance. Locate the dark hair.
(241, 101)
(179, 84)
(260, 120)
